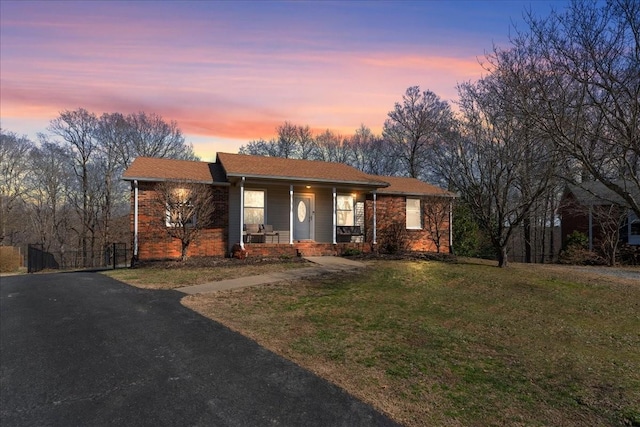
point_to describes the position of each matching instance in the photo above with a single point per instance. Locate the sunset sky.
(230, 72)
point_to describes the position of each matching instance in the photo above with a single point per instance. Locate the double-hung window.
(180, 214)
(254, 206)
(414, 217)
(344, 210)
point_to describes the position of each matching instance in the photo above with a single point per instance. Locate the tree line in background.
(65, 191)
(560, 105)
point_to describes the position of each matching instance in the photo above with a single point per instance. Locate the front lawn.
(177, 274)
(457, 344)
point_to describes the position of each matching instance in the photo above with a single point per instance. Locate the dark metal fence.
(114, 255)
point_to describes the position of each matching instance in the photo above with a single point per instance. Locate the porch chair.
(250, 231)
(267, 229)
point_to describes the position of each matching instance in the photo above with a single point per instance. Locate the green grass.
(179, 274)
(468, 344)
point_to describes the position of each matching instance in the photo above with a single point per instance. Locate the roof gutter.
(376, 184)
(142, 179)
(406, 193)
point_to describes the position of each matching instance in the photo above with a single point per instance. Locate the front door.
(303, 217)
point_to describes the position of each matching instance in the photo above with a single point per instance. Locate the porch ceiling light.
(308, 186)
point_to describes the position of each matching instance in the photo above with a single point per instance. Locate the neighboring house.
(275, 206)
(587, 207)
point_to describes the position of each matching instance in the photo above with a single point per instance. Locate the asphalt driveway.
(84, 349)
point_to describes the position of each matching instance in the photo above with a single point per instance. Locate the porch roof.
(277, 168)
(411, 187)
(155, 169)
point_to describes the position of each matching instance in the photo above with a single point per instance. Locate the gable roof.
(595, 193)
(275, 168)
(155, 169)
(411, 187)
(278, 168)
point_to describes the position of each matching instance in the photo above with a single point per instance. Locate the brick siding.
(391, 225)
(154, 244)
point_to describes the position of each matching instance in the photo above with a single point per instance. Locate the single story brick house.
(585, 208)
(287, 207)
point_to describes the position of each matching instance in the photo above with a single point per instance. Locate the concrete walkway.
(322, 265)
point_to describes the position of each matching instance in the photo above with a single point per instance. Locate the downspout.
(135, 219)
(334, 216)
(242, 213)
(291, 214)
(375, 218)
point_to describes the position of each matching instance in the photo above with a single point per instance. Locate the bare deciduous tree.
(113, 134)
(292, 142)
(331, 147)
(78, 130)
(49, 184)
(187, 209)
(584, 64)
(416, 126)
(13, 170)
(499, 167)
(436, 213)
(363, 150)
(150, 136)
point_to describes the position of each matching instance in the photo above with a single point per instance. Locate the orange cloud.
(212, 79)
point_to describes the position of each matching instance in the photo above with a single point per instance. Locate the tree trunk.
(527, 239)
(543, 227)
(184, 255)
(502, 257)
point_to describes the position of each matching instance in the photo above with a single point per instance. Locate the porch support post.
(333, 216)
(291, 214)
(375, 218)
(135, 219)
(242, 213)
(590, 228)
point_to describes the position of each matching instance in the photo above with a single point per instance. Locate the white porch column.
(333, 216)
(135, 219)
(375, 218)
(291, 214)
(242, 213)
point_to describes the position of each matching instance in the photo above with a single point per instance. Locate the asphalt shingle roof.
(411, 186)
(155, 169)
(596, 193)
(238, 165)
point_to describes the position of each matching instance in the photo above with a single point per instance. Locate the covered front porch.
(301, 219)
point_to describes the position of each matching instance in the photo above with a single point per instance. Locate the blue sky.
(230, 72)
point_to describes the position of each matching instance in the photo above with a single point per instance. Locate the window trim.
(414, 211)
(264, 207)
(352, 210)
(172, 224)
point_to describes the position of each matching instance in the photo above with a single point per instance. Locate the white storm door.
(303, 217)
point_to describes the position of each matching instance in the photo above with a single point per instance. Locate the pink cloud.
(213, 80)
